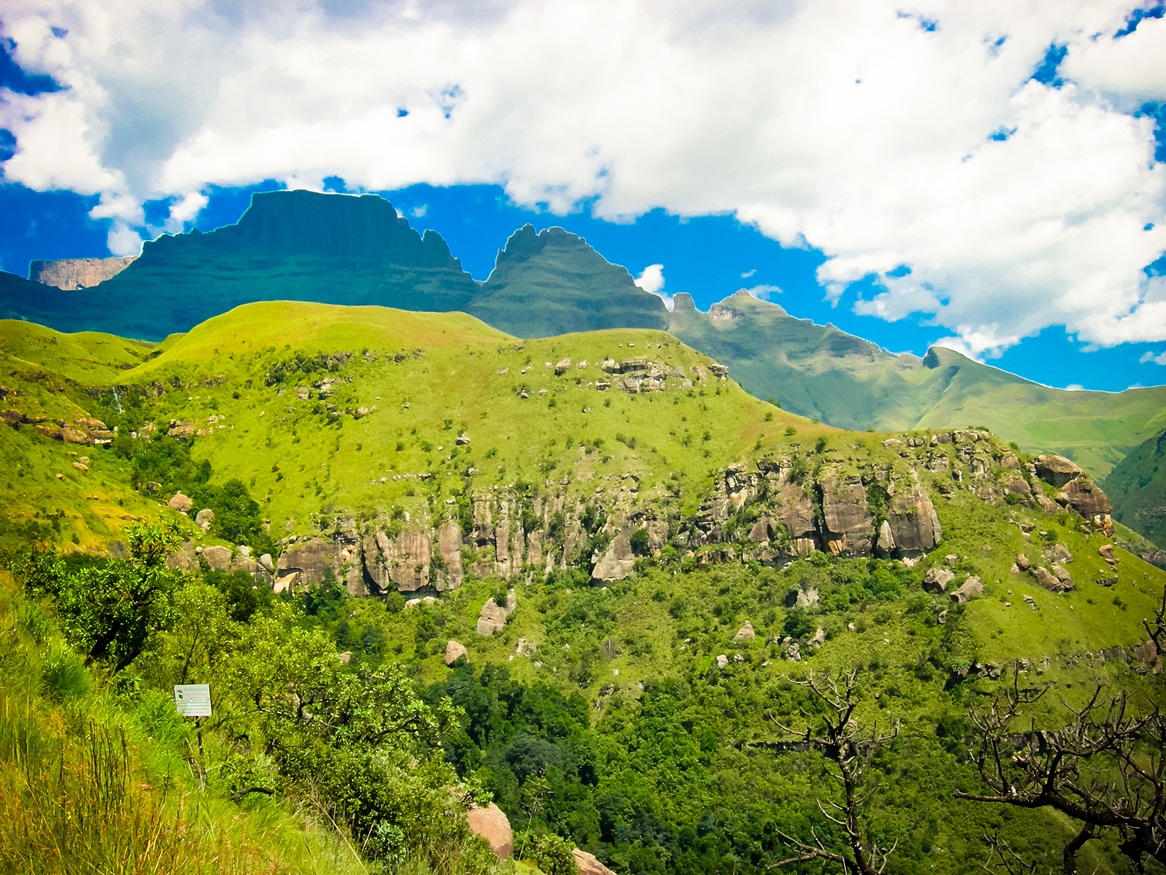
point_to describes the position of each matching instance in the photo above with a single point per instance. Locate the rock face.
(77, 273)
(492, 824)
(588, 865)
(770, 510)
(453, 652)
(493, 616)
(617, 561)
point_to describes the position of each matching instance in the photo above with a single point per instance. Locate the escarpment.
(844, 501)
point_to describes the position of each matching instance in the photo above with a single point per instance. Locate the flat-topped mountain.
(289, 245)
(343, 249)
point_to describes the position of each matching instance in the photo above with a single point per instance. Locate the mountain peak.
(526, 243)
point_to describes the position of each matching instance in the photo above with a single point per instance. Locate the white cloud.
(419, 212)
(651, 278)
(764, 292)
(1159, 359)
(123, 240)
(849, 128)
(748, 273)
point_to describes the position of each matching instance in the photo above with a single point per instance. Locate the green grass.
(84, 788)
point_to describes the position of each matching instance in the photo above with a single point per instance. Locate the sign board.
(193, 700)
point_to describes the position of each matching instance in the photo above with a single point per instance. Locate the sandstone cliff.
(77, 273)
(768, 510)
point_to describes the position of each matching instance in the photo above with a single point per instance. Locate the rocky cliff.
(770, 510)
(77, 273)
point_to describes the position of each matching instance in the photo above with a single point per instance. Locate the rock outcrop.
(492, 824)
(493, 617)
(588, 865)
(77, 273)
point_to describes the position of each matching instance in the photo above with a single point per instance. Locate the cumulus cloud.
(651, 279)
(764, 292)
(1159, 359)
(905, 141)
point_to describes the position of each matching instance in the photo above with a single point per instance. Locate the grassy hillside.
(423, 380)
(826, 374)
(89, 784)
(635, 718)
(1137, 486)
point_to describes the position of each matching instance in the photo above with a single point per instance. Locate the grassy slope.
(301, 461)
(88, 786)
(822, 372)
(309, 461)
(1138, 486)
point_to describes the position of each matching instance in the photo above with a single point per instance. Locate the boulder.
(179, 502)
(453, 652)
(971, 588)
(492, 824)
(1106, 553)
(807, 597)
(1023, 562)
(588, 865)
(936, 579)
(204, 518)
(1062, 575)
(1048, 580)
(1088, 501)
(1056, 470)
(562, 367)
(493, 616)
(745, 633)
(722, 661)
(218, 558)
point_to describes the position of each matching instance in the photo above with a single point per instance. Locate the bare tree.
(834, 732)
(1104, 767)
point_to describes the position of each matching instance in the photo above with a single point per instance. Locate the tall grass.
(77, 794)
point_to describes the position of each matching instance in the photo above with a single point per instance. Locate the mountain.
(355, 250)
(552, 283)
(620, 567)
(289, 245)
(823, 373)
(1138, 487)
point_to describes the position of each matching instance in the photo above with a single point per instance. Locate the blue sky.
(913, 173)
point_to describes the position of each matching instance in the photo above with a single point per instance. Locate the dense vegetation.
(685, 719)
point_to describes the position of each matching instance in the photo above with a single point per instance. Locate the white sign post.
(193, 700)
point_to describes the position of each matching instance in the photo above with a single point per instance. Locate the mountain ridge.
(358, 250)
